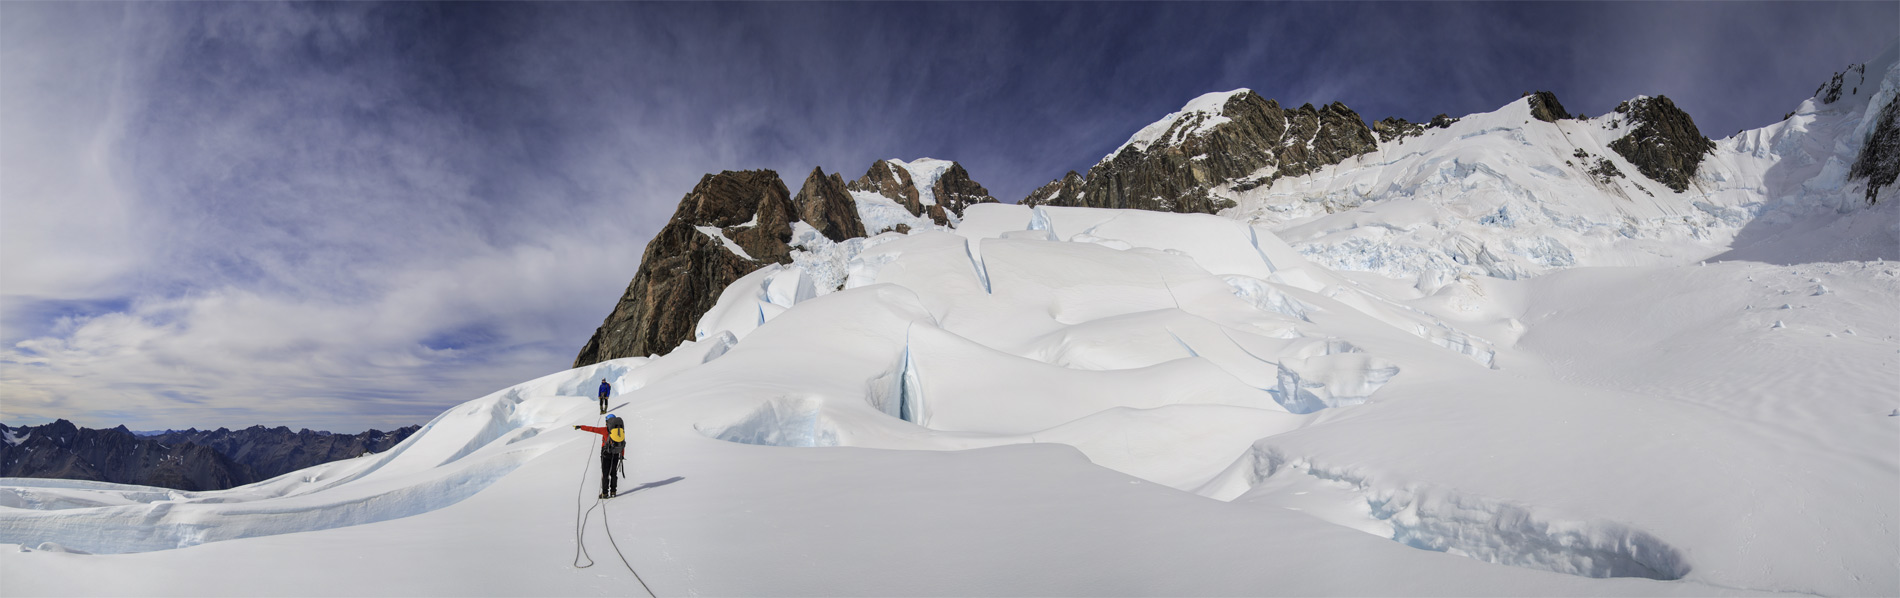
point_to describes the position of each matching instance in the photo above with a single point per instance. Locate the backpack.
(616, 435)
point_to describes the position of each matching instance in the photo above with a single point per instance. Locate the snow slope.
(1418, 394)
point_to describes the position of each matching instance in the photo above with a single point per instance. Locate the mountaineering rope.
(580, 521)
(580, 531)
(623, 557)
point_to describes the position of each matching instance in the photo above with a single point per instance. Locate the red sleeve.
(596, 429)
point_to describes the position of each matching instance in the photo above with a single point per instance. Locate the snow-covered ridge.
(1501, 194)
(1199, 115)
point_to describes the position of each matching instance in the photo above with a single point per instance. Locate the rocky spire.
(825, 204)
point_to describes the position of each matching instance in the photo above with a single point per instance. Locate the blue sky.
(352, 215)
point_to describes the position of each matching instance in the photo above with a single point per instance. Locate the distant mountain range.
(185, 460)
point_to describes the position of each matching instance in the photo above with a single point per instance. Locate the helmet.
(612, 416)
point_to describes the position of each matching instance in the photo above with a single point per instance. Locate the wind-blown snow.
(1480, 374)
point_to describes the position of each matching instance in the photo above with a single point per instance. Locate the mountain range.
(184, 460)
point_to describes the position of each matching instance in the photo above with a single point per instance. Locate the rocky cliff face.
(189, 460)
(692, 259)
(1663, 141)
(1236, 137)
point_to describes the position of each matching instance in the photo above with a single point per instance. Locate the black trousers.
(603, 403)
(609, 472)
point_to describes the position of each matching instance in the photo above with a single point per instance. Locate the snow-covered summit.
(1198, 116)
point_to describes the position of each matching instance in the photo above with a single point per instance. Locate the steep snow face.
(1079, 390)
(1199, 115)
(1504, 195)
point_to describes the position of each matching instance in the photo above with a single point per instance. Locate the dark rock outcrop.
(1394, 128)
(1545, 107)
(1879, 159)
(683, 269)
(825, 203)
(1259, 142)
(1065, 191)
(1663, 141)
(189, 460)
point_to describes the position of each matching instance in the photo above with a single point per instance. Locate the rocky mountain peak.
(730, 198)
(940, 189)
(1662, 142)
(1220, 138)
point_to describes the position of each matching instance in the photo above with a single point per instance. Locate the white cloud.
(236, 357)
